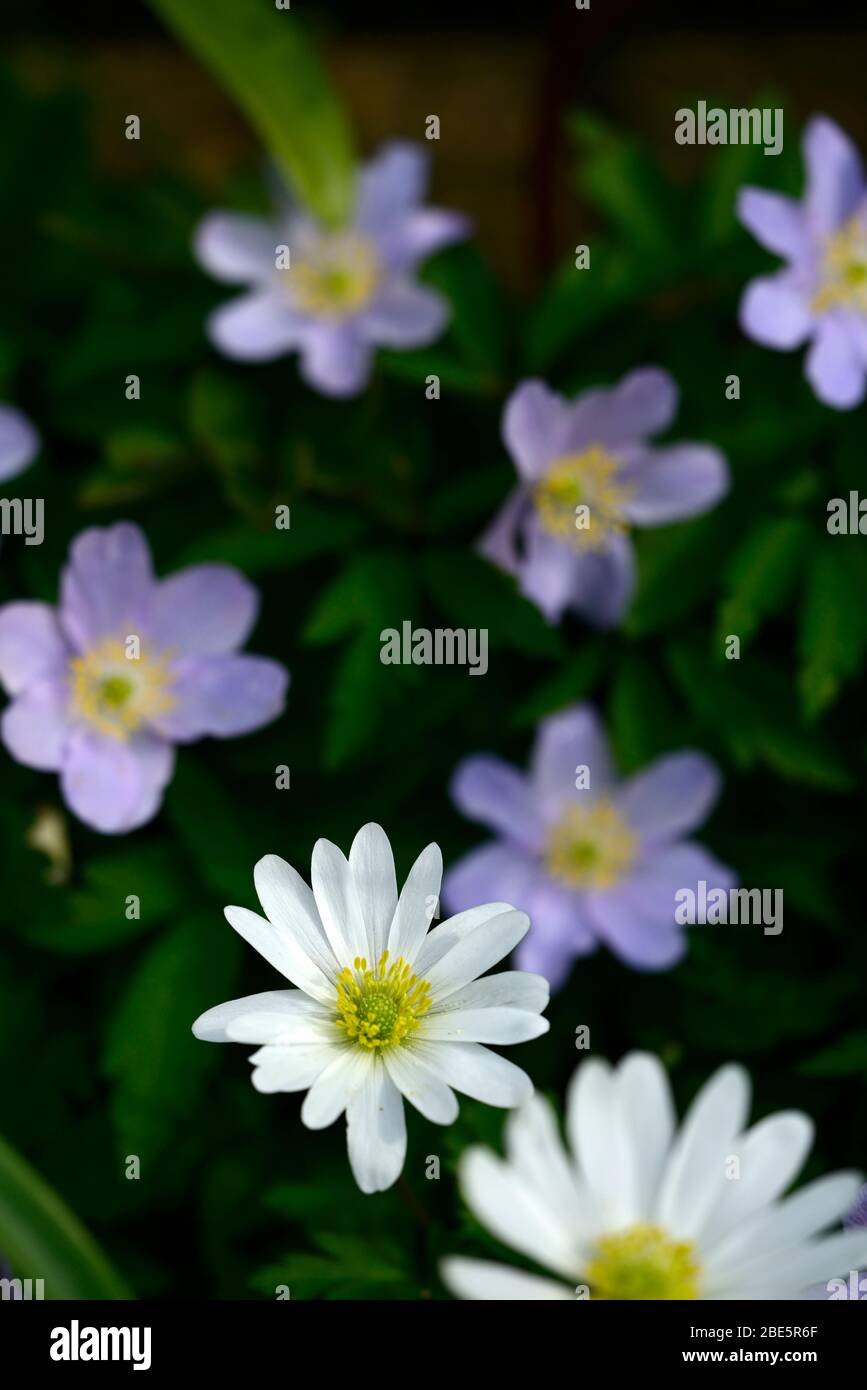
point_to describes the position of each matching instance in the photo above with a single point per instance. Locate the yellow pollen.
(590, 846)
(844, 269)
(115, 693)
(580, 500)
(642, 1263)
(334, 276)
(380, 1007)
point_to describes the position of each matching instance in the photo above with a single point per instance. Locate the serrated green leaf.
(833, 632)
(761, 575)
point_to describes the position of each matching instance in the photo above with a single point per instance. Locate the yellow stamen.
(380, 1007)
(590, 847)
(115, 693)
(334, 276)
(642, 1262)
(844, 269)
(580, 500)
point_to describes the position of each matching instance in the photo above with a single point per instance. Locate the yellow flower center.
(334, 276)
(844, 270)
(116, 693)
(642, 1263)
(580, 500)
(590, 846)
(380, 1007)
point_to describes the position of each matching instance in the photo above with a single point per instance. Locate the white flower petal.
(281, 950)
(476, 1072)
(479, 950)
(417, 905)
(372, 864)
(289, 1068)
(645, 1097)
(441, 940)
(338, 904)
(516, 1213)
(275, 1003)
(289, 903)
(487, 1025)
(602, 1143)
(330, 1093)
(485, 1281)
(427, 1092)
(770, 1156)
(515, 989)
(376, 1131)
(825, 1259)
(763, 1239)
(283, 1030)
(695, 1172)
(537, 1153)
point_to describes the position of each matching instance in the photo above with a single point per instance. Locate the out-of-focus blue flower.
(19, 442)
(820, 296)
(126, 667)
(602, 863)
(345, 292)
(587, 474)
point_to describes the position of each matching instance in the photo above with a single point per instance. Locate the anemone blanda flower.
(589, 859)
(587, 475)
(640, 1209)
(382, 1008)
(820, 296)
(127, 666)
(346, 291)
(19, 442)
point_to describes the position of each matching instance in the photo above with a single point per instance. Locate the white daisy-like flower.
(642, 1210)
(384, 1007)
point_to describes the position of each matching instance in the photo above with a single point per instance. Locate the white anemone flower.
(383, 1006)
(643, 1210)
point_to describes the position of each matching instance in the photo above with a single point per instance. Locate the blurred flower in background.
(126, 667)
(589, 860)
(19, 442)
(821, 295)
(642, 1210)
(382, 1008)
(588, 475)
(345, 291)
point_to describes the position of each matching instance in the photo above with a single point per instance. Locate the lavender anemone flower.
(19, 442)
(820, 296)
(333, 295)
(126, 667)
(587, 474)
(589, 860)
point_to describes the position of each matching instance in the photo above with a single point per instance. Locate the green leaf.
(314, 531)
(617, 176)
(261, 56)
(223, 846)
(573, 683)
(473, 594)
(156, 1064)
(678, 569)
(847, 1057)
(642, 717)
(98, 918)
(761, 575)
(833, 632)
(41, 1238)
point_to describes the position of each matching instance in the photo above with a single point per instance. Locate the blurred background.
(556, 128)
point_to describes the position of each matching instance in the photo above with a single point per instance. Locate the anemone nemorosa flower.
(382, 1007)
(126, 667)
(589, 860)
(587, 475)
(345, 291)
(19, 442)
(820, 296)
(641, 1210)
